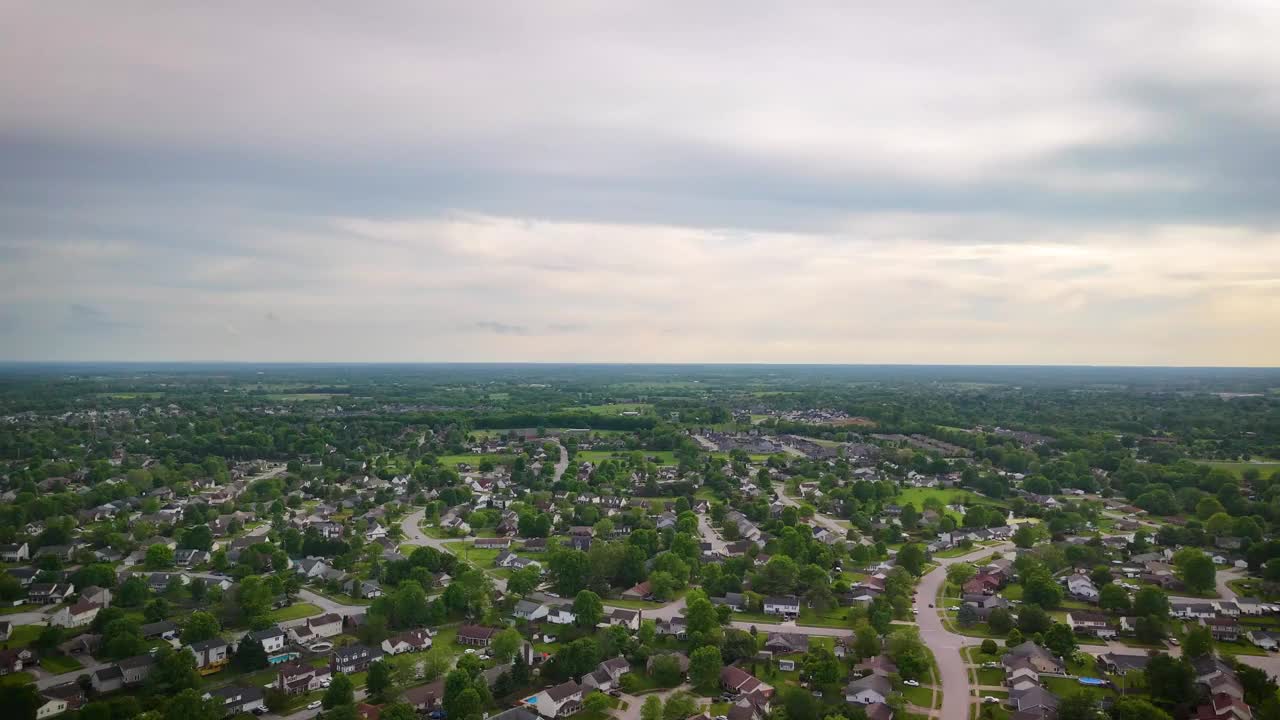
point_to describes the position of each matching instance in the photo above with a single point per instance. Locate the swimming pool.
(1091, 681)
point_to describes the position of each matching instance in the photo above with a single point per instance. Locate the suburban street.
(945, 644)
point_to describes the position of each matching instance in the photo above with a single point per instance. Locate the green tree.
(1033, 619)
(1000, 621)
(524, 581)
(596, 703)
(1151, 601)
(200, 626)
(704, 666)
(866, 642)
(1172, 680)
(1198, 642)
(960, 573)
(398, 711)
(190, 704)
(588, 610)
(1114, 598)
(380, 682)
(665, 670)
(341, 692)
(912, 556)
(1195, 569)
(1079, 705)
(1026, 536)
(173, 672)
(133, 592)
(651, 709)
(679, 706)
(505, 644)
(1128, 708)
(1060, 640)
(249, 656)
(159, 557)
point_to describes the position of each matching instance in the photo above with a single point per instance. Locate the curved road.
(945, 644)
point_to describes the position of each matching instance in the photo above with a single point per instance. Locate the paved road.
(634, 703)
(818, 518)
(413, 535)
(709, 534)
(944, 643)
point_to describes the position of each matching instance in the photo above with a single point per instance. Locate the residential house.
(736, 601)
(237, 699)
(868, 689)
(493, 543)
(95, 594)
(676, 626)
(15, 552)
(1265, 639)
(411, 641)
(783, 605)
(188, 558)
(475, 635)
(877, 665)
(736, 680)
(136, 669)
(1123, 664)
(561, 614)
(629, 619)
(49, 593)
(558, 701)
(272, 639)
(74, 616)
(529, 610)
(13, 660)
(427, 697)
(1040, 659)
(1224, 707)
(1093, 624)
(211, 655)
(1081, 587)
(297, 678)
(982, 584)
(353, 658)
(605, 677)
(639, 592)
(785, 643)
(1222, 629)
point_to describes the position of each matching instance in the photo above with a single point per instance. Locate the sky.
(996, 182)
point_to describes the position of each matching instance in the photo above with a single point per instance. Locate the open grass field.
(294, 612)
(1266, 466)
(948, 496)
(301, 397)
(617, 408)
(665, 457)
(918, 696)
(474, 460)
(479, 558)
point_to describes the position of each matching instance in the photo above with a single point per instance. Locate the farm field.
(1266, 466)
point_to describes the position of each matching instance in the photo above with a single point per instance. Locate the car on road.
(930, 604)
(954, 608)
(313, 705)
(911, 683)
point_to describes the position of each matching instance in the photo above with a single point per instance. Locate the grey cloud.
(499, 328)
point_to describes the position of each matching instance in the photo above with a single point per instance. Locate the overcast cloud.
(929, 182)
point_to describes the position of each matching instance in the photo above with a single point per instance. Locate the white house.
(411, 641)
(74, 616)
(1082, 587)
(18, 552)
(873, 688)
(787, 605)
(531, 611)
(561, 615)
(272, 639)
(559, 701)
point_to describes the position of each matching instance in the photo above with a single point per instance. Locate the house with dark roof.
(238, 699)
(558, 701)
(475, 635)
(353, 658)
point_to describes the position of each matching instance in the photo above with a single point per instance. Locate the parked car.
(911, 683)
(313, 705)
(990, 700)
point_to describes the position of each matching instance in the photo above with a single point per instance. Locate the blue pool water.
(1092, 681)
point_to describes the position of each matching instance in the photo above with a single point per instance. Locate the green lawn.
(474, 460)
(18, 678)
(23, 635)
(835, 618)
(294, 612)
(990, 676)
(665, 457)
(12, 609)
(58, 664)
(921, 696)
(617, 408)
(1012, 591)
(975, 655)
(479, 558)
(948, 496)
(1266, 466)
